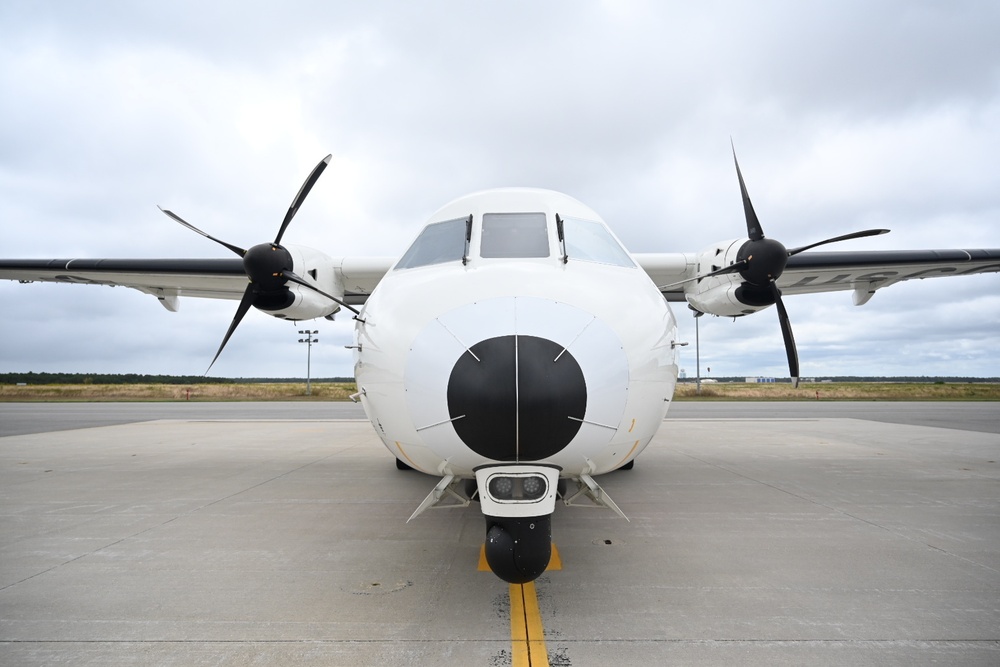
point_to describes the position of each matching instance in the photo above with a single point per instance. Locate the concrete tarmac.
(754, 541)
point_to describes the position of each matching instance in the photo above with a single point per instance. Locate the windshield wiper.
(468, 239)
(562, 238)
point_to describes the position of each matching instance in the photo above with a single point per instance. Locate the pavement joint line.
(841, 512)
(786, 491)
(929, 605)
(603, 640)
(164, 523)
(262, 483)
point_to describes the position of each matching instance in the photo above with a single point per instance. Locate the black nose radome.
(517, 398)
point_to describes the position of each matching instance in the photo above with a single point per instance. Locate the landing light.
(517, 490)
(534, 487)
(521, 488)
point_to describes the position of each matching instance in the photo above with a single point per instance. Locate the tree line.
(135, 378)
(858, 378)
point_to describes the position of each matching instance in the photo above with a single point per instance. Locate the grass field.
(842, 391)
(278, 391)
(339, 391)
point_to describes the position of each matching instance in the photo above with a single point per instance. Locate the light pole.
(308, 340)
(697, 354)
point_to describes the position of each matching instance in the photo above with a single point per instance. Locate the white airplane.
(516, 350)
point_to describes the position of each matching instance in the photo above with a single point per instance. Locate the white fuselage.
(475, 360)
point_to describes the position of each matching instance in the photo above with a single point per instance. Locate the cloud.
(845, 116)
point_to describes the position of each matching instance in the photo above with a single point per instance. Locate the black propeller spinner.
(267, 265)
(760, 262)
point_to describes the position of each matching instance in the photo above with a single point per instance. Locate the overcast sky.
(845, 115)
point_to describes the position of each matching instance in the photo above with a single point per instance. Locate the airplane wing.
(168, 279)
(861, 272)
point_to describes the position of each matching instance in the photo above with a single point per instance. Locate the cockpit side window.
(514, 235)
(438, 243)
(592, 242)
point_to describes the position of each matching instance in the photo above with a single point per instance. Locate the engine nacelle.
(301, 303)
(726, 295)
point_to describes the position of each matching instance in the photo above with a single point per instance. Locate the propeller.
(761, 261)
(267, 265)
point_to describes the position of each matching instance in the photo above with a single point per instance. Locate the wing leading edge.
(169, 279)
(862, 272)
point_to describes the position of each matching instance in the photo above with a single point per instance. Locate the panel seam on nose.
(517, 402)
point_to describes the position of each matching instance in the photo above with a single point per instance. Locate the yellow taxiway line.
(527, 637)
(555, 562)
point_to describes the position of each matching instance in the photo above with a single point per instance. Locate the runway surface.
(756, 540)
(23, 418)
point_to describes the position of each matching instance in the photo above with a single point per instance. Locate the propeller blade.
(289, 275)
(300, 197)
(241, 311)
(754, 232)
(170, 214)
(735, 267)
(845, 237)
(786, 333)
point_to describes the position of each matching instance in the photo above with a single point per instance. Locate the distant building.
(758, 380)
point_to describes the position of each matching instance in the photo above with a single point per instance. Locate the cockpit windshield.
(438, 243)
(592, 242)
(514, 235)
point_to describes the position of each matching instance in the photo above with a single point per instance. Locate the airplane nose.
(514, 379)
(517, 398)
